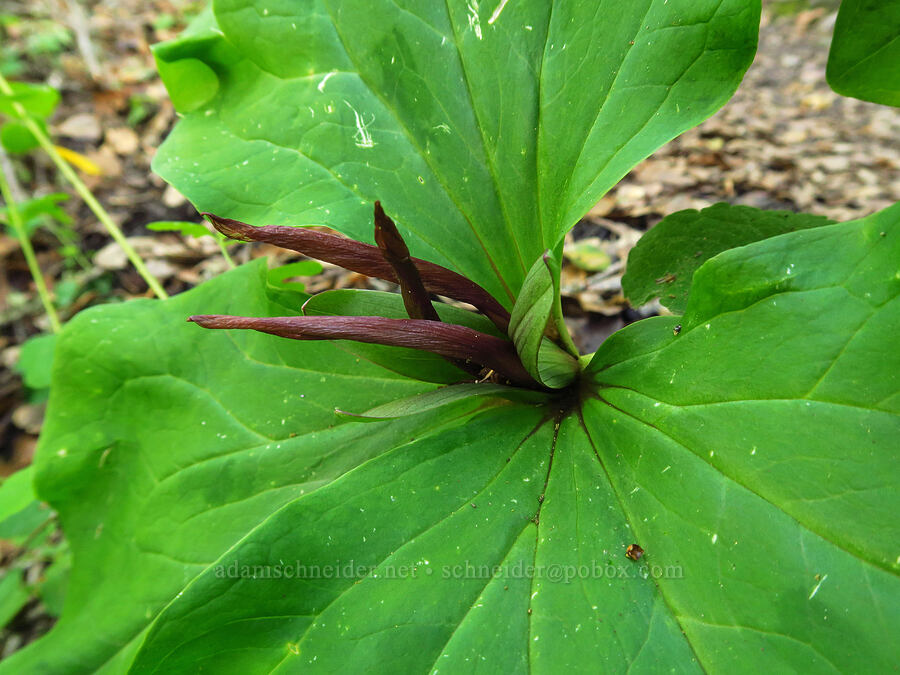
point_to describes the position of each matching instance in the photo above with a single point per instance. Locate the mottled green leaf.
(486, 129)
(864, 61)
(163, 443)
(761, 486)
(752, 456)
(664, 260)
(444, 396)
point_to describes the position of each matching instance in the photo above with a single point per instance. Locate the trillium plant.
(411, 485)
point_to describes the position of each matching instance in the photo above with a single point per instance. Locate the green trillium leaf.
(864, 61)
(191, 83)
(247, 417)
(442, 397)
(664, 260)
(485, 137)
(763, 545)
(751, 457)
(832, 299)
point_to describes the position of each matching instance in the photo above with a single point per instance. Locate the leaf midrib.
(627, 515)
(492, 169)
(430, 527)
(450, 195)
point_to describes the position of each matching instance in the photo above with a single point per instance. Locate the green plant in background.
(708, 491)
(41, 211)
(28, 106)
(40, 40)
(46, 36)
(18, 226)
(37, 101)
(195, 230)
(38, 556)
(33, 531)
(10, 62)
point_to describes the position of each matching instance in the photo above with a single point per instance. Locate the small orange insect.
(634, 552)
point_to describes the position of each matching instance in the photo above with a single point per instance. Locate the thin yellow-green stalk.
(85, 194)
(15, 220)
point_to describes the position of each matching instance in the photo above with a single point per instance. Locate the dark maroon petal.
(415, 298)
(365, 259)
(457, 342)
(393, 248)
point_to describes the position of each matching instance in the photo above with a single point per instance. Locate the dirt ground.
(785, 141)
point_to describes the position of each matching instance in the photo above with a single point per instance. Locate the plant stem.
(15, 219)
(220, 240)
(85, 194)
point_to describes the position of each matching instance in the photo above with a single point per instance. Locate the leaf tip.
(233, 229)
(206, 320)
(548, 259)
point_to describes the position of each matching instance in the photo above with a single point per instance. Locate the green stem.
(220, 240)
(85, 193)
(15, 219)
